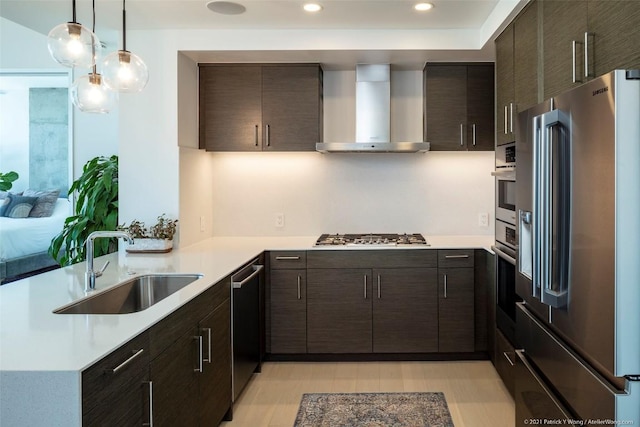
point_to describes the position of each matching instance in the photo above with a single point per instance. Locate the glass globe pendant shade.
(73, 45)
(124, 71)
(90, 95)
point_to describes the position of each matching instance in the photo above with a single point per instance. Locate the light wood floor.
(475, 395)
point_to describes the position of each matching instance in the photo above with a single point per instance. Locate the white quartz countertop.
(33, 338)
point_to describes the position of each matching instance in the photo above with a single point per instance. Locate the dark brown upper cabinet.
(505, 89)
(459, 100)
(252, 107)
(555, 45)
(584, 39)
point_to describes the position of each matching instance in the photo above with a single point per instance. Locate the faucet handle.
(104, 267)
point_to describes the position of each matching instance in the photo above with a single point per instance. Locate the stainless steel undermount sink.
(133, 295)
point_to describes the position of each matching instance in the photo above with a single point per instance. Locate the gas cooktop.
(371, 239)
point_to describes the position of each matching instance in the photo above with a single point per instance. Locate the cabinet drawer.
(455, 258)
(505, 361)
(379, 258)
(120, 370)
(287, 259)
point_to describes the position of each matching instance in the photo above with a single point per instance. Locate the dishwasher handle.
(239, 279)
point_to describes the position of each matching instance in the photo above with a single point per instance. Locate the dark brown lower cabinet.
(288, 311)
(456, 310)
(339, 310)
(175, 383)
(505, 360)
(177, 373)
(405, 310)
(116, 389)
(215, 380)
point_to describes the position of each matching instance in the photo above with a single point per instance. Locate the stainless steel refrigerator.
(578, 258)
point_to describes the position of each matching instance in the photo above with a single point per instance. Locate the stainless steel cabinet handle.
(287, 258)
(121, 366)
(299, 280)
(506, 119)
(150, 423)
(574, 52)
(208, 359)
(256, 135)
(378, 286)
(587, 72)
(461, 134)
(511, 117)
(456, 256)
(473, 132)
(445, 286)
(508, 358)
(365, 286)
(199, 339)
(268, 135)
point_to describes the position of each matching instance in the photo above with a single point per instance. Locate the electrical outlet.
(202, 224)
(279, 220)
(483, 219)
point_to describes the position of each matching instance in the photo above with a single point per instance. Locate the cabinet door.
(339, 310)
(405, 310)
(446, 107)
(615, 26)
(288, 311)
(215, 380)
(564, 22)
(526, 58)
(291, 107)
(456, 313)
(230, 108)
(505, 91)
(480, 108)
(128, 407)
(175, 383)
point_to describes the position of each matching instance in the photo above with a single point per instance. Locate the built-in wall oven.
(506, 240)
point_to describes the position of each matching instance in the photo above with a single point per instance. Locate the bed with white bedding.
(24, 242)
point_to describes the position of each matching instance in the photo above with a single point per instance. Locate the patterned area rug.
(373, 410)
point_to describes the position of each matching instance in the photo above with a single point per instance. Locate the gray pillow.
(17, 206)
(45, 203)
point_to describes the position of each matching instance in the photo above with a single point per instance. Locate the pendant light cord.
(124, 27)
(74, 11)
(93, 44)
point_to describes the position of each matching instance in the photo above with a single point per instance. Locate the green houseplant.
(7, 179)
(96, 209)
(156, 238)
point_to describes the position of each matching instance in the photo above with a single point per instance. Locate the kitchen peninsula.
(43, 354)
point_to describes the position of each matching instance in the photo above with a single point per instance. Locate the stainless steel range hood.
(373, 116)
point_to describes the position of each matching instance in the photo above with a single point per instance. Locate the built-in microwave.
(505, 174)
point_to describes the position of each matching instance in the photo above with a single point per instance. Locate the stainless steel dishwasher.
(245, 325)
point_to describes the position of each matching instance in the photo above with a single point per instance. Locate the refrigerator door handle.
(553, 256)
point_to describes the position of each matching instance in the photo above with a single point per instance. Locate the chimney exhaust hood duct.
(373, 116)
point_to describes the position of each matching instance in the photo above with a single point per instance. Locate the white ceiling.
(487, 17)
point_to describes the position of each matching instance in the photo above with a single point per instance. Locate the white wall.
(432, 193)
(22, 49)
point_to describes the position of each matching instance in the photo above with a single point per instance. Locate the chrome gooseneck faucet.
(91, 274)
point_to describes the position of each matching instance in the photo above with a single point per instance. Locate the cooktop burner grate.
(378, 239)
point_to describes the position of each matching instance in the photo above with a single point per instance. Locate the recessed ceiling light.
(226, 7)
(312, 7)
(423, 6)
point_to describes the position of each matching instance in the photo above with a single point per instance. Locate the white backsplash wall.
(431, 193)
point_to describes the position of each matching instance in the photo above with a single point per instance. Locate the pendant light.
(124, 71)
(72, 44)
(89, 93)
